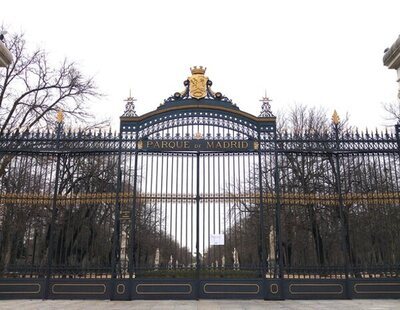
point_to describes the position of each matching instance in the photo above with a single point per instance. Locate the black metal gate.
(198, 229)
(199, 199)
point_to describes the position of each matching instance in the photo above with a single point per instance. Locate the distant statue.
(235, 259)
(216, 263)
(223, 262)
(124, 259)
(170, 262)
(176, 264)
(271, 252)
(123, 244)
(157, 259)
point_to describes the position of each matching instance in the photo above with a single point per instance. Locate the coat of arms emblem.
(198, 82)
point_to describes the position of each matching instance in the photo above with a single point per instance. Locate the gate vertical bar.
(117, 225)
(343, 227)
(132, 252)
(198, 224)
(54, 205)
(261, 219)
(278, 208)
(397, 129)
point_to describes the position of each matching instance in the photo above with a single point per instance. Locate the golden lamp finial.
(335, 118)
(60, 116)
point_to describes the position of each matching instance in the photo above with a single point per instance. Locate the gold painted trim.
(316, 284)
(272, 290)
(376, 284)
(199, 106)
(123, 289)
(78, 293)
(165, 293)
(286, 198)
(19, 292)
(231, 284)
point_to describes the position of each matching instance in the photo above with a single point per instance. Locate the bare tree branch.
(392, 110)
(31, 90)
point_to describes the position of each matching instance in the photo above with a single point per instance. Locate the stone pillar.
(391, 59)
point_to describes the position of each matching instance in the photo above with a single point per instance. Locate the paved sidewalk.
(202, 304)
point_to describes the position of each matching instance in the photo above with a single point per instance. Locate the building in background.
(391, 59)
(5, 55)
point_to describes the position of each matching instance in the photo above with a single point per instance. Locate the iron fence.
(287, 207)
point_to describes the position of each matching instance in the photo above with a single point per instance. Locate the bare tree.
(32, 89)
(392, 110)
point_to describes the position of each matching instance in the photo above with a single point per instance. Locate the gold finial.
(60, 116)
(335, 118)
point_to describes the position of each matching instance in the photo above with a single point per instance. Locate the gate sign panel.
(199, 145)
(217, 239)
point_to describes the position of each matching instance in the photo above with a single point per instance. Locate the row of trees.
(32, 90)
(83, 223)
(330, 214)
(335, 209)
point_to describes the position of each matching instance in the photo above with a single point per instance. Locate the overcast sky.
(321, 53)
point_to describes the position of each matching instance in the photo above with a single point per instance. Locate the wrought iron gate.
(198, 199)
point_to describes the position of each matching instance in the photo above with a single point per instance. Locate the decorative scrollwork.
(203, 87)
(266, 107)
(130, 107)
